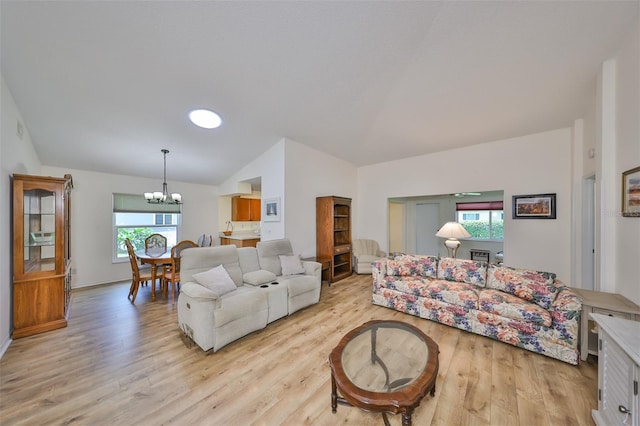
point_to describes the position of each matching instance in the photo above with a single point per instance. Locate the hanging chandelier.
(163, 197)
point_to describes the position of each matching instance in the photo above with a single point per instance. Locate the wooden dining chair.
(171, 274)
(137, 276)
(155, 244)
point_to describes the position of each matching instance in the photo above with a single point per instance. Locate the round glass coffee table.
(384, 367)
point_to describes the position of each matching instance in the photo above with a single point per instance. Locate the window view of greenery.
(483, 224)
(138, 226)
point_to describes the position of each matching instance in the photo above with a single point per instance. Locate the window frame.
(136, 204)
(482, 206)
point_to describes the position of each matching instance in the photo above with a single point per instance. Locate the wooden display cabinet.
(41, 253)
(333, 234)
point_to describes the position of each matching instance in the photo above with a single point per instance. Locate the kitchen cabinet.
(239, 242)
(255, 211)
(245, 209)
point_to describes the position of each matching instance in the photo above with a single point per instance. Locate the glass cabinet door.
(39, 239)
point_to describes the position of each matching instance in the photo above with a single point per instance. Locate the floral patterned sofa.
(529, 309)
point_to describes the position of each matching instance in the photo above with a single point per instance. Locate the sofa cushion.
(456, 293)
(193, 261)
(291, 265)
(248, 258)
(217, 280)
(463, 270)
(367, 258)
(416, 265)
(258, 277)
(268, 252)
(533, 286)
(413, 285)
(510, 306)
(299, 284)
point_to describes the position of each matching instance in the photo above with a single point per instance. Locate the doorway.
(588, 233)
(397, 227)
(427, 224)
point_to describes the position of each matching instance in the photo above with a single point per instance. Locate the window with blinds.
(136, 219)
(483, 219)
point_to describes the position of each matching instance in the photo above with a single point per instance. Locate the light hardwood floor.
(123, 364)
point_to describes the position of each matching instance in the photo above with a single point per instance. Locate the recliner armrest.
(312, 268)
(197, 291)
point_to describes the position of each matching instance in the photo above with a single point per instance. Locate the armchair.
(365, 252)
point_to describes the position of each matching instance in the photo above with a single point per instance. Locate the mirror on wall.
(414, 221)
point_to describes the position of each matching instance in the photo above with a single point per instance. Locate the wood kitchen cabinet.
(250, 242)
(256, 208)
(245, 209)
(41, 253)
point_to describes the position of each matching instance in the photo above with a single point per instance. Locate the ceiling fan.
(464, 194)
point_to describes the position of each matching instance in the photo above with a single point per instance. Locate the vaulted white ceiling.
(105, 85)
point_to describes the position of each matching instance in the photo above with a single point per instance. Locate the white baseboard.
(5, 346)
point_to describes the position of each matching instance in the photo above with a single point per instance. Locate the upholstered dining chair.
(205, 240)
(171, 274)
(155, 244)
(137, 276)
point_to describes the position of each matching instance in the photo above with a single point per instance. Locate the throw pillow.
(258, 277)
(463, 270)
(410, 265)
(533, 286)
(217, 280)
(291, 265)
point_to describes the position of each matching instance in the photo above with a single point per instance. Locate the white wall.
(297, 175)
(447, 212)
(627, 151)
(270, 167)
(310, 174)
(533, 164)
(17, 155)
(92, 220)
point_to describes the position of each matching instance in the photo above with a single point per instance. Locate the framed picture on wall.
(631, 193)
(538, 206)
(271, 209)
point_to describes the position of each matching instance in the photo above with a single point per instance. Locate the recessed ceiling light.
(205, 118)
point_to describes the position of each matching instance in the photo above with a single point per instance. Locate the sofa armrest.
(199, 292)
(379, 270)
(567, 300)
(381, 253)
(312, 268)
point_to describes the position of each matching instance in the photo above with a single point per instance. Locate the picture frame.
(535, 206)
(631, 193)
(271, 209)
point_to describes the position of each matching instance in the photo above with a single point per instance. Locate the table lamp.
(452, 231)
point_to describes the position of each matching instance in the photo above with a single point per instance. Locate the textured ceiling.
(105, 85)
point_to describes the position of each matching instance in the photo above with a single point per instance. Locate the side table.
(598, 302)
(326, 267)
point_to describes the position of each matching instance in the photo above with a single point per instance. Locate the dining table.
(154, 259)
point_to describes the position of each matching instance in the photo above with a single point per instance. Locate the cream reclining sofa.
(529, 309)
(213, 311)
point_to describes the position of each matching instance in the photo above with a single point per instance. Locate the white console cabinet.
(618, 371)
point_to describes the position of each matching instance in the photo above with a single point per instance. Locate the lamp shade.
(452, 230)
